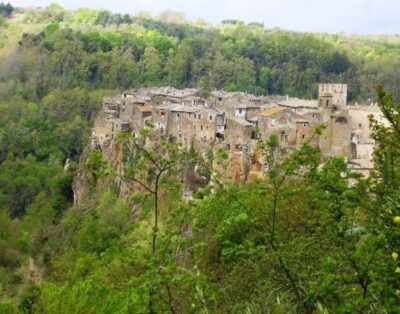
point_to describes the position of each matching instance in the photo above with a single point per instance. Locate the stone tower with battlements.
(337, 91)
(332, 101)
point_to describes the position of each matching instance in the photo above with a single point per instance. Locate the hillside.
(307, 236)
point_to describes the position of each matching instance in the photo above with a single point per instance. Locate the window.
(210, 118)
(201, 128)
(177, 115)
(327, 102)
(240, 111)
(162, 114)
(304, 124)
(199, 116)
(303, 136)
(195, 116)
(359, 125)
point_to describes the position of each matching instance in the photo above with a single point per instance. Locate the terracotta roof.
(145, 109)
(271, 111)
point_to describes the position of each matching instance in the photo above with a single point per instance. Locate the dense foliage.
(307, 237)
(53, 48)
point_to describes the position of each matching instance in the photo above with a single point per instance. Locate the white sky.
(349, 16)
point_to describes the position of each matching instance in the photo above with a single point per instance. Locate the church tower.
(332, 101)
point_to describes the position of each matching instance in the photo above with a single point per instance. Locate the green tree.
(150, 66)
(152, 164)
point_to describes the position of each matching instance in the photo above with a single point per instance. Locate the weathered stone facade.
(237, 121)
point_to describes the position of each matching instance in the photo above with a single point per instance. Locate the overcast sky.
(349, 16)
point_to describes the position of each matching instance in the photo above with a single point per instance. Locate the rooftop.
(271, 111)
(242, 122)
(145, 109)
(183, 108)
(299, 103)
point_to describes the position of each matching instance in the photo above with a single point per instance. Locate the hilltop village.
(236, 121)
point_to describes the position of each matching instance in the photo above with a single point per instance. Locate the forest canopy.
(300, 239)
(99, 49)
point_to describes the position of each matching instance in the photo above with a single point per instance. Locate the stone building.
(237, 121)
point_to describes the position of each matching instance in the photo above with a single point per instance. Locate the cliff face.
(84, 181)
(234, 122)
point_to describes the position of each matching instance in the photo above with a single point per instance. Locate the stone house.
(141, 115)
(236, 121)
(238, 131)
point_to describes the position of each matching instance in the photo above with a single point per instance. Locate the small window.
(303, 136)
(327, 102)
(240, 111)
(210, 118)
(359, 125)
(201, 128)
(177, 115)
(195, 116)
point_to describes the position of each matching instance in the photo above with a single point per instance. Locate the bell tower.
(326, 106)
